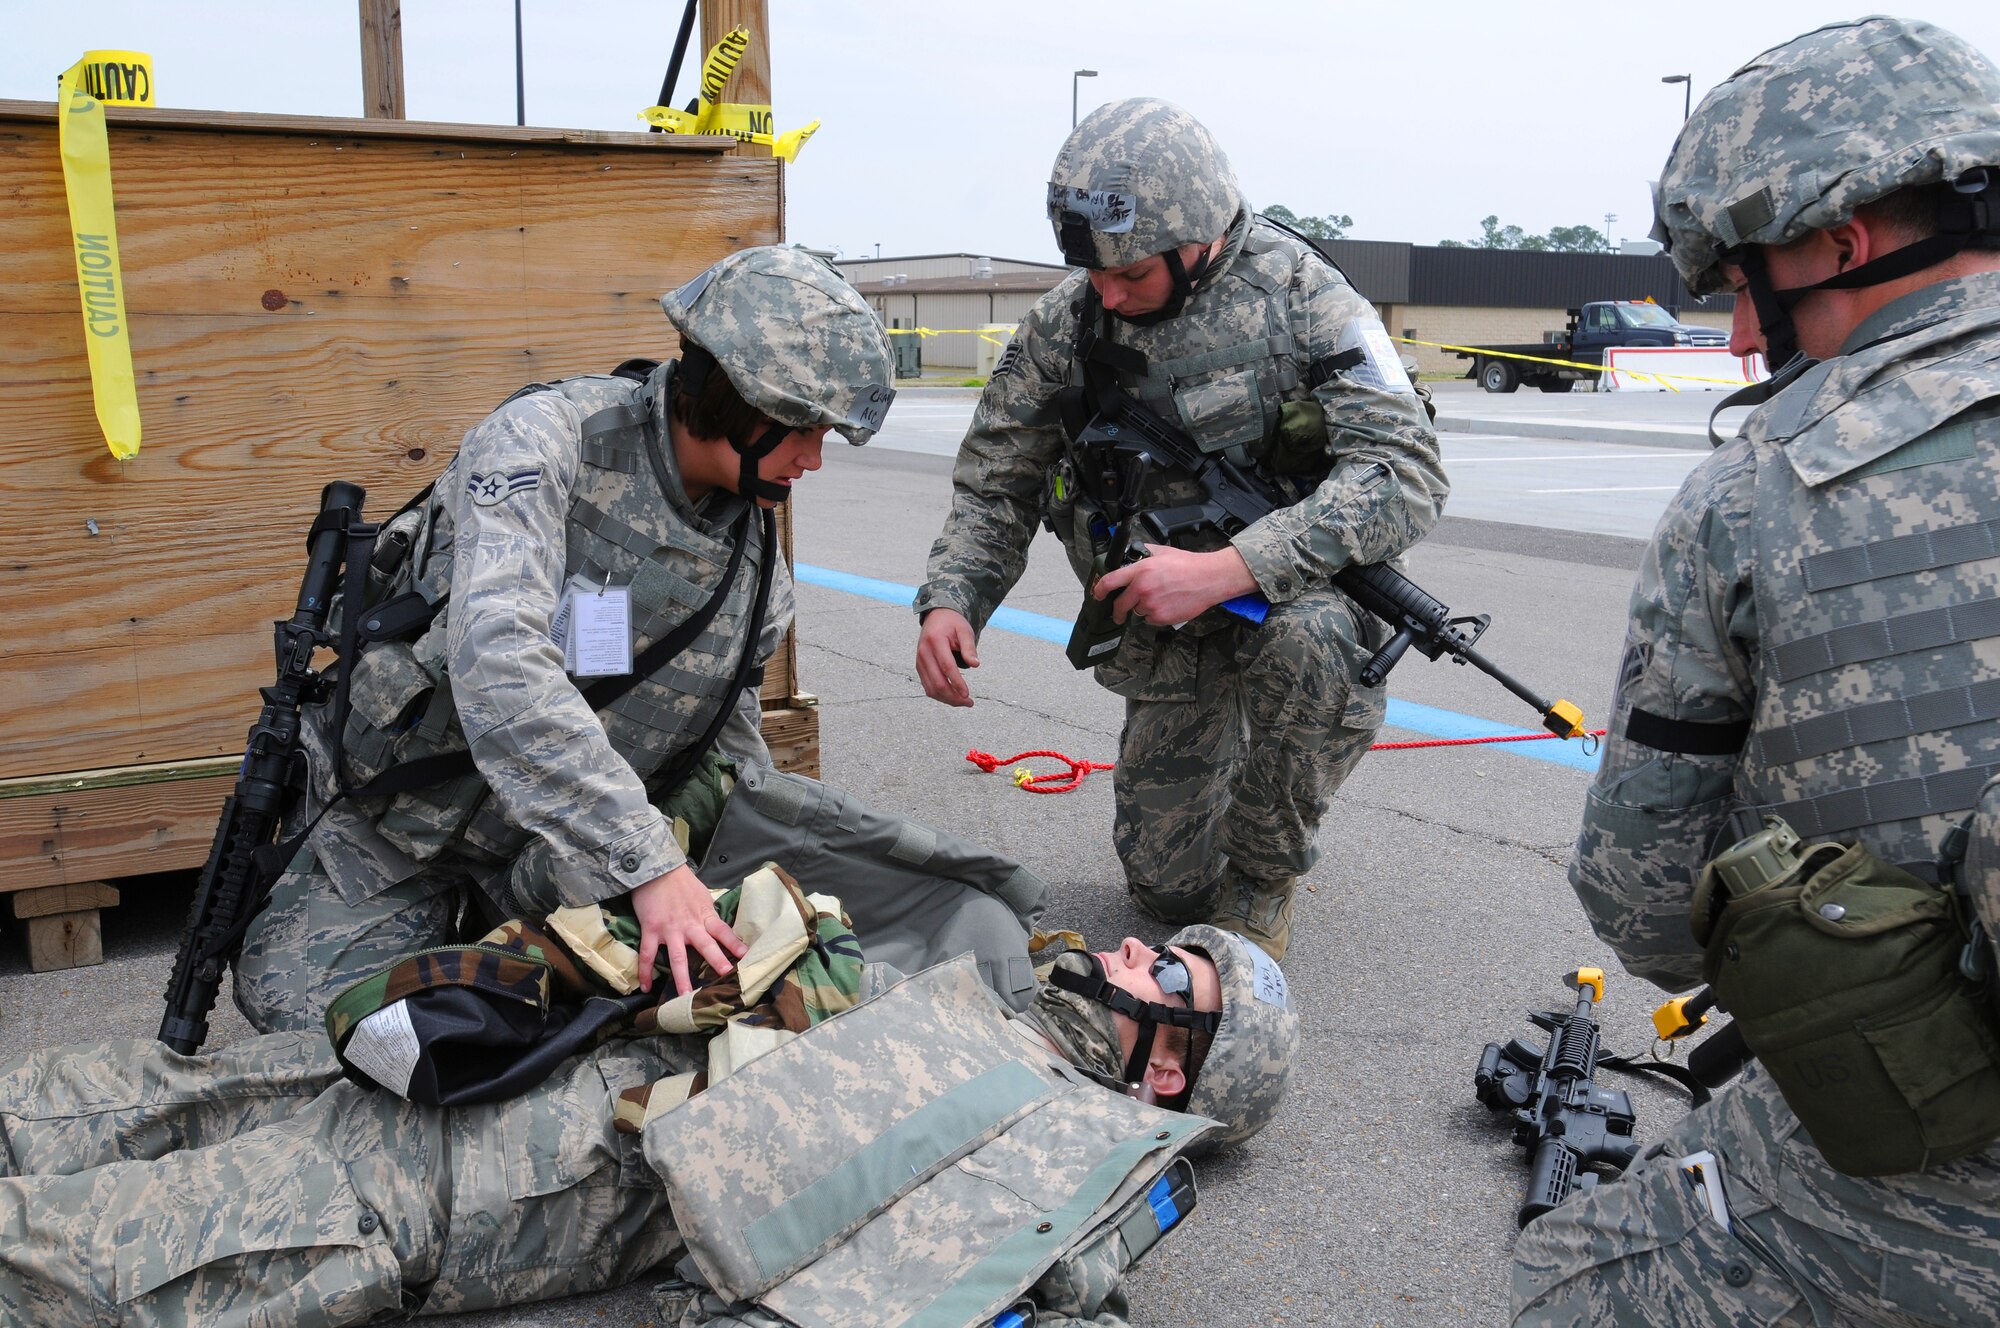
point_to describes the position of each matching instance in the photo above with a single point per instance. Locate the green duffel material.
(1842, 973)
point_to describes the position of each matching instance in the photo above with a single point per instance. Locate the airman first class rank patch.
(489, 489)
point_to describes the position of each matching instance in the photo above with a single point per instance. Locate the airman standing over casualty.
(1241, 336)
(823, 1140)
(1812, 664)
(580, 523)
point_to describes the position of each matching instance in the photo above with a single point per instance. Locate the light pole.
(1609, 217)
(520, 72)
(1081, 73)
(1687, 93)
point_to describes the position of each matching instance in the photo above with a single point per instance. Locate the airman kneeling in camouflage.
(1814, 643)
(870, 1150)
(580, 524)
(1242, 337)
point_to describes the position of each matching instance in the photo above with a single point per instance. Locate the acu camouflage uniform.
(559, 811)
(1236, 737)
(1815, 619)
(255, 1184)
(574, 487)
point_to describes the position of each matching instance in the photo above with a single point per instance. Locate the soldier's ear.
(1165, 1075)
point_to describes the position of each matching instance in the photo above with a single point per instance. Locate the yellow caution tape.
(979, 332)
(122, 78)
(1575, 364)
(712, 115)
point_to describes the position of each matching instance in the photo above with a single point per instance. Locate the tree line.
(1492, 235)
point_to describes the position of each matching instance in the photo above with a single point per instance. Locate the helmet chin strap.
(749, 483)
(1969, 217)
(1184, 283)
(1148, 1015)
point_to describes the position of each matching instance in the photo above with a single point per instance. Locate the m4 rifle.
(1564, 1121)
(240, 865)
(1125, 443)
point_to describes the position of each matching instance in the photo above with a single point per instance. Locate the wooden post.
(382, 59)
(751, 84)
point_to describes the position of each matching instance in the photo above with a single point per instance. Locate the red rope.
(1467, 742)
(1029, 782)
(1033, 783)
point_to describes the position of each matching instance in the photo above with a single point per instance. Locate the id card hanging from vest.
(594, 626)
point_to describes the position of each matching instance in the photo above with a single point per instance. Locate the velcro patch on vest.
(490, 488)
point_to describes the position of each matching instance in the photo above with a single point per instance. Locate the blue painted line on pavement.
(1427, 720)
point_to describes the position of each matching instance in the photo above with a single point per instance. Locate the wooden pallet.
(67, 840)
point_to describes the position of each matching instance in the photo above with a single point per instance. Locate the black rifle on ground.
(1125, 441)
(1565, 1122)
(237, 874)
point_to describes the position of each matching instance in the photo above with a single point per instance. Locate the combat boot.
(1260, 911)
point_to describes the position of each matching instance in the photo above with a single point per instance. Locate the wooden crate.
(308, 299)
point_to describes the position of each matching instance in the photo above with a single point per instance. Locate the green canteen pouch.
(1841, 972)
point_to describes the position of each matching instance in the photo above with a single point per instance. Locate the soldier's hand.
(945, 644)
(675, 912)
(1169, 586)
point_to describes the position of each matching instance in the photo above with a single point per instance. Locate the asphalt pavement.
(1437, 916)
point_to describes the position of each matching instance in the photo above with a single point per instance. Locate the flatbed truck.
(1592, 329)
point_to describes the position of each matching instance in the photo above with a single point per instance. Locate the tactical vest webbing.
(1258, 368)
(621, 530)
(1878, 601)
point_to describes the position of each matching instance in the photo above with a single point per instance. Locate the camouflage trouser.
(1807, 1245)
(1234, 779)
(256, 1186)
(309, 944)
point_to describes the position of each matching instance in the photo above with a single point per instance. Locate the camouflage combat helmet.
(1242, 1079)
(796, 341)
(1140, 177)
(1810, 131)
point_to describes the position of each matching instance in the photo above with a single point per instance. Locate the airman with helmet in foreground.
(1812, 660)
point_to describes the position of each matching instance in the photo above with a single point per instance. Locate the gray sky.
(940, 120)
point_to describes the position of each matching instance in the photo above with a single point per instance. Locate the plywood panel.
(308, 300)
(100, 828)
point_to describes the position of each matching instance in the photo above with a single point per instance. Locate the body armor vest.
(1878, 710)
(621, 530)
(1233, 363)
(942, 1168)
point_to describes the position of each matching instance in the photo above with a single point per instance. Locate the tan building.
(955, 295)
(1424, 294)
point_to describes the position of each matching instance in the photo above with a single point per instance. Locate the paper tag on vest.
(384, 1047)
(1381, 367)
(597, 631)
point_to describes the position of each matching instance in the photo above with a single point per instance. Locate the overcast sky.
(940, 120)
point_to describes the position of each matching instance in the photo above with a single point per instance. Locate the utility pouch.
(1299, 443)
(1842, 973)
(1097, 634)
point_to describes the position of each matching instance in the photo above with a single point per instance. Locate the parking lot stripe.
(1427, 720)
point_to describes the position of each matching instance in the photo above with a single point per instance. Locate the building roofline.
(918, 258)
